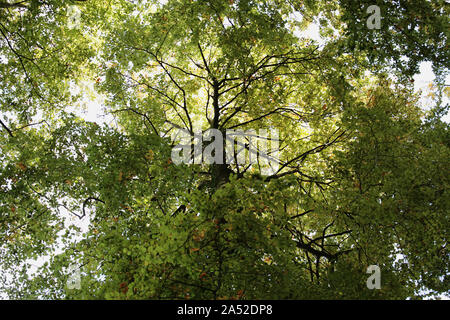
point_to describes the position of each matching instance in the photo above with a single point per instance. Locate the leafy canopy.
(363, 169)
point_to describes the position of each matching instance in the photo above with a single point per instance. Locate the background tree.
(361, 176)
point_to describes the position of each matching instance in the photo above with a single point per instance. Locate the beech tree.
(362, 176)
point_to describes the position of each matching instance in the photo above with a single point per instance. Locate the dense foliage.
(363, 167)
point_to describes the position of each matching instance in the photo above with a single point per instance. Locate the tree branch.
(6, 128)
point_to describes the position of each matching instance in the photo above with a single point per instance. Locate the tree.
(361, 171)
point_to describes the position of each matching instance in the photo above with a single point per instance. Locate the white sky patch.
(422, 83)
(312, 32)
